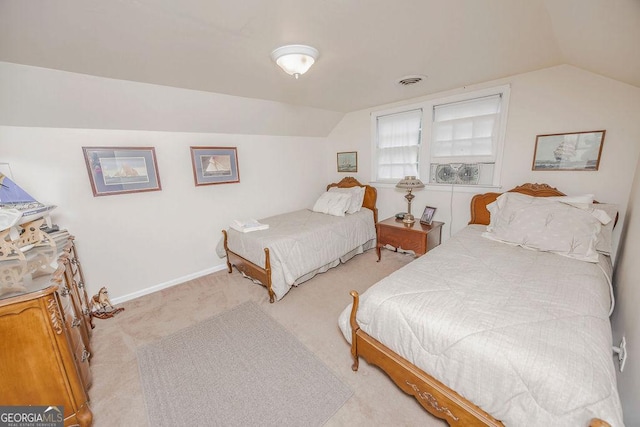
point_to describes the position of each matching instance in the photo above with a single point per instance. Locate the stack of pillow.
(574, 227)
(340, 201)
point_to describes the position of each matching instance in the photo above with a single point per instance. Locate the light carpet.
(238, 368)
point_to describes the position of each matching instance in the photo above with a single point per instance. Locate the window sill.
(463, 188)
(446, 187)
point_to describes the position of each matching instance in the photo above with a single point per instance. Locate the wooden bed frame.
(263, 274)
(438, 399)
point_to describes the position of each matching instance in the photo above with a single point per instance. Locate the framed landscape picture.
(215, 165)
(348, 161)
(119, 170)
(579, 151)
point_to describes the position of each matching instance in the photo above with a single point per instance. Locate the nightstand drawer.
(404, 239)
(415, 237)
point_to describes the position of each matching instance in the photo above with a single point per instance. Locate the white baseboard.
(168, 284)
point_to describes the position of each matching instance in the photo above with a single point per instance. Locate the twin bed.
(482, 330)
(298, 245)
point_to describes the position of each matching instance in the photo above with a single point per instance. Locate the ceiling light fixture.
(295, 59)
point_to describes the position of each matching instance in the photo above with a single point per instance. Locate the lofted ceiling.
(365, 46)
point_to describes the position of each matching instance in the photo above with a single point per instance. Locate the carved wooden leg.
(354, 329)
(267, 268)
(226, 249)
(84, 416)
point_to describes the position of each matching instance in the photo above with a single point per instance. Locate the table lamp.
(409, 183)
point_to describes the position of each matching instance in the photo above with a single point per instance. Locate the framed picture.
(579, 151)
(348, 161)
(120, 170)
(427, 215)
(215, 165)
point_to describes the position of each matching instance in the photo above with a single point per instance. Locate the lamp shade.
(410, 182)
(295, 59)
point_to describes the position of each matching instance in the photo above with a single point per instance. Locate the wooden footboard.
(247, 268)
(438, 399)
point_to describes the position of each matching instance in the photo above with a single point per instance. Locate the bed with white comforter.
(304, 243)
(523, 334)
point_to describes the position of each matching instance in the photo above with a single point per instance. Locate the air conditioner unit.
(462, 173)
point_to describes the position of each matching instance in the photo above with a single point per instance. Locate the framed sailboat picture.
(348, 161)
(119, 170)
(215, 165)
(578, 151)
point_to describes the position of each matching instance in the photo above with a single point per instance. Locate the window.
(466, 131)
(397, 150)
(466, 138)
(463, 139)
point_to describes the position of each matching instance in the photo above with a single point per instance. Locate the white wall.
(626, 319)
(553, 100)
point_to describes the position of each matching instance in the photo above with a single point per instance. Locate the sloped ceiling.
(365, 45)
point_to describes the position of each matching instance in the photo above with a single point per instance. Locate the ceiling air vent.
(411, 80)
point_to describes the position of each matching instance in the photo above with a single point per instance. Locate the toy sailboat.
(23, 216)
(19, 204)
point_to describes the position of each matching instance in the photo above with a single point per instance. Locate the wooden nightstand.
(416, 237)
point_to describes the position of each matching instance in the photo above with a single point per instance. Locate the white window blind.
(466, 131)
(398, 145)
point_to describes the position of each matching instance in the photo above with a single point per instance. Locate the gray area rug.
(240, 368)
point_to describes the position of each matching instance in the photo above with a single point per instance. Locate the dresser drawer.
(82, 356)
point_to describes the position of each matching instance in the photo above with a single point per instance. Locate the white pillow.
(332, 203)
(583, 201)
(604, 238)
(606, 213)
(357, 197)
(544, 224)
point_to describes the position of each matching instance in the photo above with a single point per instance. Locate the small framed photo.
(120, 170)
(348, 161)
(579, 151)
(215, 165)
(427, 215)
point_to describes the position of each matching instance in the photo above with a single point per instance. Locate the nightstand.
(416, 237)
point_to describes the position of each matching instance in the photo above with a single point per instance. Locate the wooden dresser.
(45, 328)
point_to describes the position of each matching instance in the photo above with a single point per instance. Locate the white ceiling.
(223, 46)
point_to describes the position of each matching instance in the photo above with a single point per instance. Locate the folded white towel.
(248, 225)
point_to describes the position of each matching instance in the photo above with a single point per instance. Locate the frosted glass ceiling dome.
(295, 59)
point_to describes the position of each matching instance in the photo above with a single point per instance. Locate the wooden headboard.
(370, 193)
(479, 202)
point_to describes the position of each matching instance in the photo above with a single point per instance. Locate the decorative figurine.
(100, 302)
